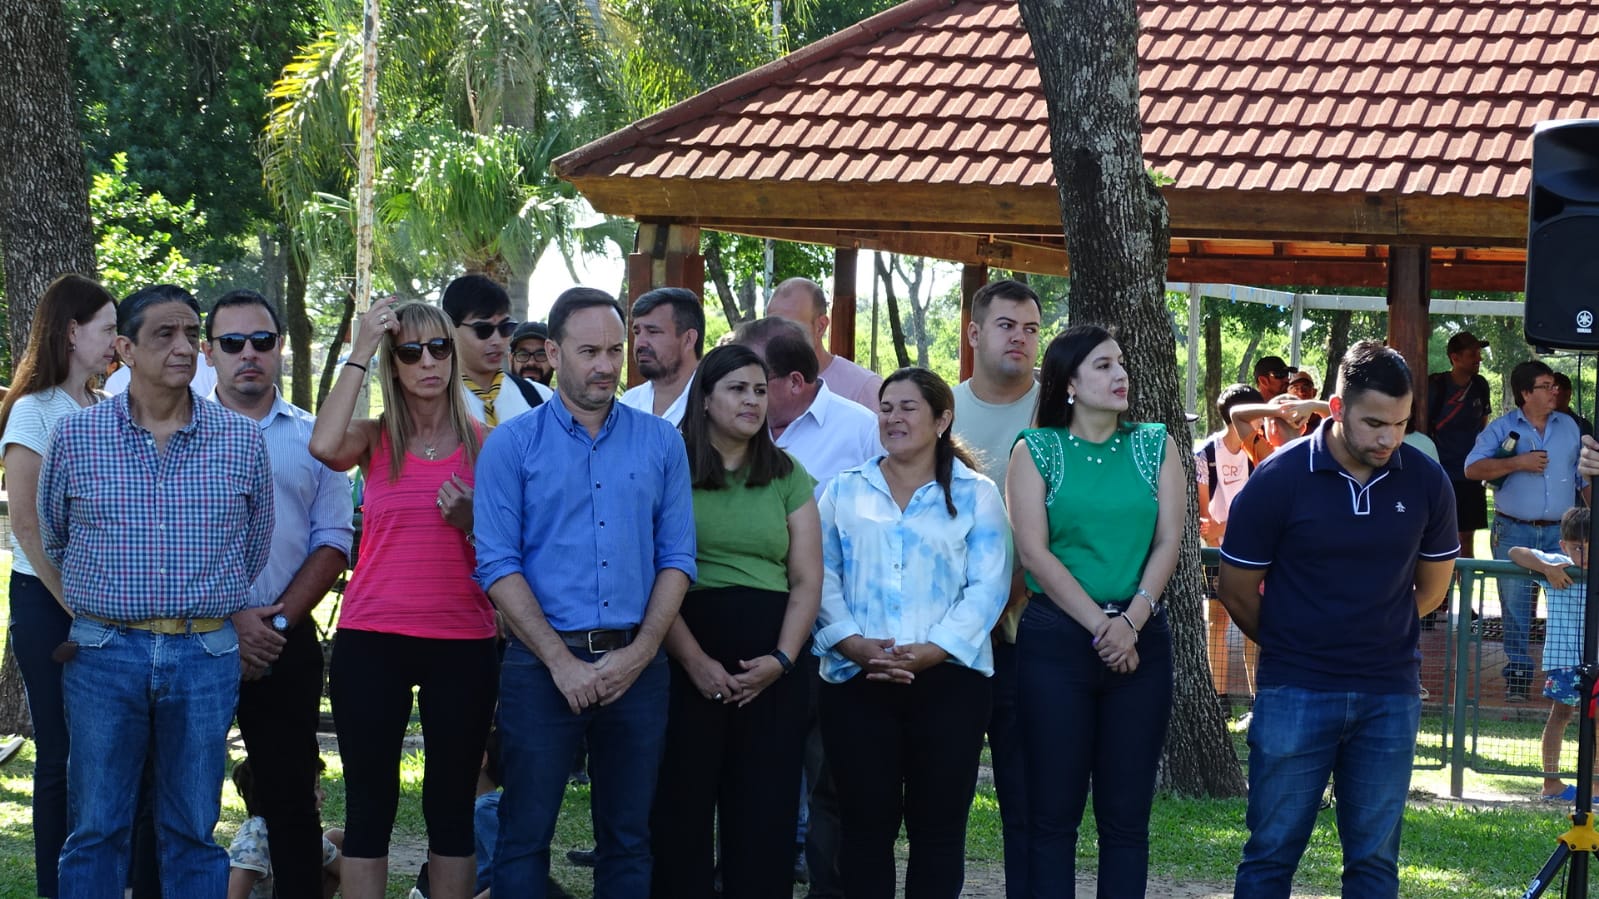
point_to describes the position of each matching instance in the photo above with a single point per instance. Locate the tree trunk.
(44, 201)
(1337, 344)
(298, 321)
(718, 273)
(1246, 364)
(1117, 236)
(1212, 370)
(895, 328)
(918, 303)
(335, 347)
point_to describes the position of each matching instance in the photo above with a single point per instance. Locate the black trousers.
(906, 752)
(278, 717)
(742, 764)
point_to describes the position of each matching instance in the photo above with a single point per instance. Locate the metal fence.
(1471, 718)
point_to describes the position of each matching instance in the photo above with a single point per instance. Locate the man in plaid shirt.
(157, 507)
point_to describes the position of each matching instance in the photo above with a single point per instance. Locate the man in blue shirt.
(156, 505)
(1539, 483)
(584, 525)
(280, 698)
(1352, 533)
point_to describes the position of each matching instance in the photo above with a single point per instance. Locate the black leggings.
(370, 683)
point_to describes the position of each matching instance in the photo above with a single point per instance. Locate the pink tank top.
(414, 574)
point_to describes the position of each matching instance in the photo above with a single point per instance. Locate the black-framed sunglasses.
(233, 344)
(485, 330)
(520, 357)
(410, 353)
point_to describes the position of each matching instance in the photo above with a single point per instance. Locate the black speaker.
(1563, 236)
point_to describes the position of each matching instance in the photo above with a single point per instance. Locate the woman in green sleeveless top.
(1097, 507)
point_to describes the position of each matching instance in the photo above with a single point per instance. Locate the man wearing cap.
(1537, 483)
(1458, 408)
(1271, 376)
(528, 359)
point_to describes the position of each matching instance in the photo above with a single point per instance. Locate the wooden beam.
(1409, 295)
(841, 337)
(973, 277)
(1350, 273)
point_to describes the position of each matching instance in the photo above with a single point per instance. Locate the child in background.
(249, 860)
(1562, 647)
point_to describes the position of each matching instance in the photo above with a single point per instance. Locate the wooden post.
(1409, 299)
(664, 255)
(973, 277)
(841, 337)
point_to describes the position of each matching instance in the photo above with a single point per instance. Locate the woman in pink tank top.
(412, 617)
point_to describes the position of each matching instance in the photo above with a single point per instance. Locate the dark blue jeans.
(38, 626)
(1082, 724)
(1010, 768)
(538, 737)
(1366, 742)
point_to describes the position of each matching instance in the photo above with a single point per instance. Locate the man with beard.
(668, 340)
(1458, 408)
(529, 360)
(1347, 525)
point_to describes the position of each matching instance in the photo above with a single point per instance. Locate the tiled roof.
(1363, 96)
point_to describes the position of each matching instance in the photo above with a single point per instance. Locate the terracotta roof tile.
(1322, 95)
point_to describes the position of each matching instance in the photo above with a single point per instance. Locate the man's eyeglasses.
(1277, 375)
(485, 330)
(233, 344)
(520, 357)
(1549, 386)
(411, 353)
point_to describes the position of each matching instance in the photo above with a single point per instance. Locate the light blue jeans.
(1517, 602)
(1366, 743)
(130, 693)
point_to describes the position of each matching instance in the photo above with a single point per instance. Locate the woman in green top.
(735, 729)
(1097, 507)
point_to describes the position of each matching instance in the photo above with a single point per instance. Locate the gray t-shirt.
(989, 430)
(33, 417)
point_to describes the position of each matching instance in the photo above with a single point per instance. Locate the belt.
(597, 641)
(170, 626)
(1537, 522)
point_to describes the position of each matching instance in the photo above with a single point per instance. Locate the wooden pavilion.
(1324, 143)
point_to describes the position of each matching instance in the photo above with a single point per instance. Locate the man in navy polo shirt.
(1353, 534)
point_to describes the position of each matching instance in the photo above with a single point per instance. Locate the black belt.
(1537, 523)
(598, 640)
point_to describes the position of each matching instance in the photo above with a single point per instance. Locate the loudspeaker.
(1563, 236)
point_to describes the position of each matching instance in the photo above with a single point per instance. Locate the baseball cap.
(1465, 340)
(530, 329)
(1273, 365)
(1302, 375)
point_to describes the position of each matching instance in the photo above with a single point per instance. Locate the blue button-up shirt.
(587, 521)
(1528, 496)
(916, 575)
(312, 504)
(143, 534)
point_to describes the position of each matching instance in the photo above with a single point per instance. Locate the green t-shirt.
(742, 532)
(1101, 501)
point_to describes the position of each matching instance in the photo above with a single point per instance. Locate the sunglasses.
(411, 353)
(485, 330)
(233, 344)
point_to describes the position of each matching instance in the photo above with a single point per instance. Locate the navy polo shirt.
(1339, 608)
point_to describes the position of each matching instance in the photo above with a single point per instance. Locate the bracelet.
(1129, 621)
(357, 365)
(782, 659)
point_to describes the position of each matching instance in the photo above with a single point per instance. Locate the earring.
(72, 347)
(1071, 399)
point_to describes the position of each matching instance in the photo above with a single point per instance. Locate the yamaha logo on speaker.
(1584, 321)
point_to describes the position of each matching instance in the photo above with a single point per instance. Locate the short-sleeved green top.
(742, 531)
(1101, 502)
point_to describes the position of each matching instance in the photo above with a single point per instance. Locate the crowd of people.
(780, 601)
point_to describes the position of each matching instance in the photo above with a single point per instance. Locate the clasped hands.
(1117, 644)
(882, 660)
(600, 682)
(714, 682)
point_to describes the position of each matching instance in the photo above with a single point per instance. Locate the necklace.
(429, 453)
(1083, 445)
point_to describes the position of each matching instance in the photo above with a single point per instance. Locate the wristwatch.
(280, 623)
(1155, 605)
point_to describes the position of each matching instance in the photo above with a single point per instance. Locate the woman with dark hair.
(69, 343)
(735, 731)
(1097, 507)
(915, 572)
(412, 614)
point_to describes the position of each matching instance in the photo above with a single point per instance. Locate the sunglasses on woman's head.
(485, 330)
(410, 353)
(233, 344)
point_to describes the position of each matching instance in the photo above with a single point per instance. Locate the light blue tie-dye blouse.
(919, 575)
